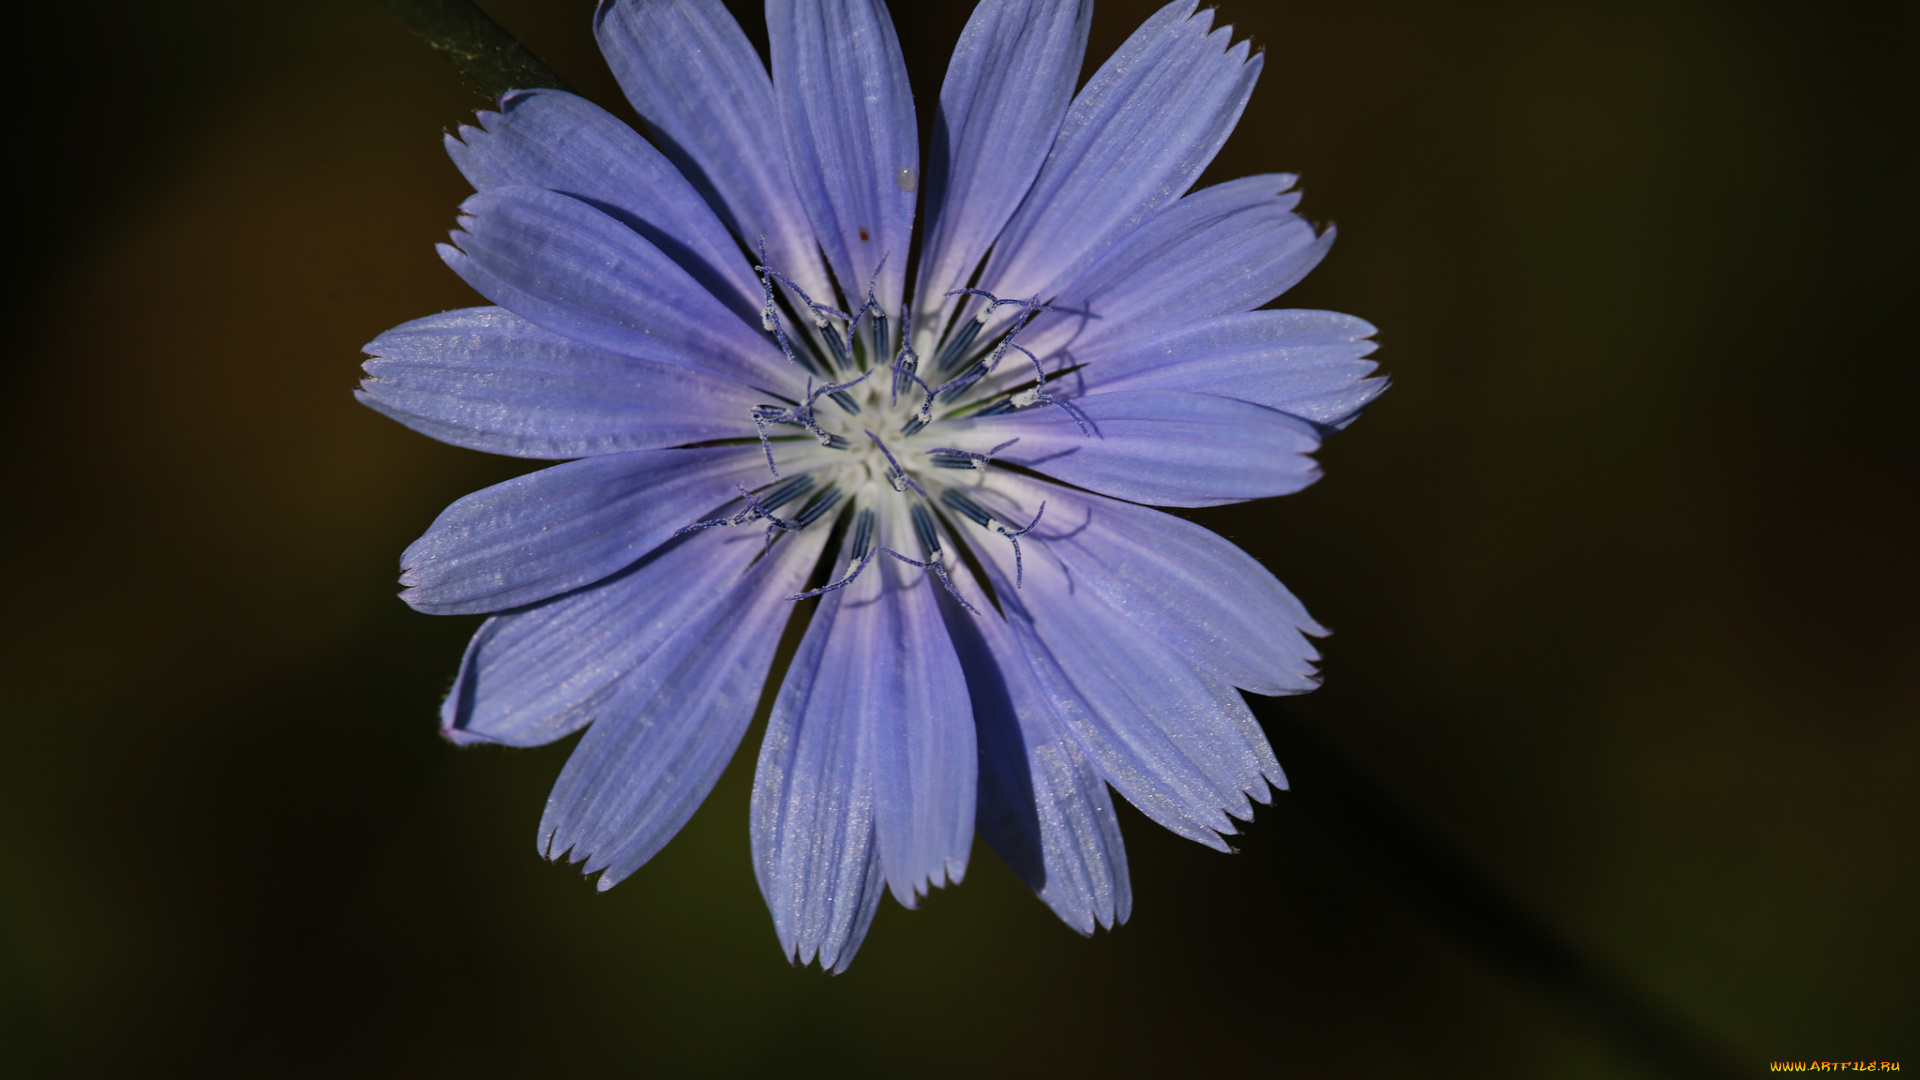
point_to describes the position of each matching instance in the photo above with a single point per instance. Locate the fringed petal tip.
(597, 870)
(463, 738)
(819, 958)
(1256, 795)
(911, 894)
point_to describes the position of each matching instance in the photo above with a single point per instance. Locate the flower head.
(769, 411)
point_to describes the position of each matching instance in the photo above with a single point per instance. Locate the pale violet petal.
(913, 701)
(814, 850)
(1169, 733)
(695, 79)
(575, 271)
(1043, 807)
(487, 379)
(1310, 364)
(538, 673)
(1134, 734)
(1198, 594)
(1136, 137)
(570, 525)
(1228, 248)
(1154, 446)
(555, 140)
(662, 738)
(1006, 91)
(887, 673)
(853, 148)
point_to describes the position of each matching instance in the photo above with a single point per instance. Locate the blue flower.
(759, 397)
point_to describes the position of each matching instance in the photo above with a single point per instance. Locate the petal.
(1006, 92)
(918, 717)
(888, 672)
(554, 140)
(1170, 735)
(1166, 737)
(694, 78)
(486, 379)
(575, 271)
(1136, 138)
(1154, 446)
(666, 733)
(539, 673)
(1189, 588)
(1042, 805)
(846, 112)
(555, 530)
(814, 850)
(1310, 364)
(1229, 248)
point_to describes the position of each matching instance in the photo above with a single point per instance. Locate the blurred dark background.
(1613, 774)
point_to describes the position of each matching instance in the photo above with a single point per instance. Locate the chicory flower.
(774, 404)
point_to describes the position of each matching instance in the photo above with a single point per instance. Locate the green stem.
(492, 59)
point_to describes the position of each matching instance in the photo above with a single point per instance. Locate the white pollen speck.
(905, 179)
(1025, 398)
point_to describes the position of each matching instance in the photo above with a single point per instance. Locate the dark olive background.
(1613, 774)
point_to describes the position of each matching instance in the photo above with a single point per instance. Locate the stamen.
(801, 415)
(798, 416)
(815, 395)
(923, 525)
(863, 550)
(761, 421)
(841, 584)
(840, 358)
(966, 506)
(821, 313)
(897, 476)
(821, 503)
(757, 509)
(770, 310)
(1013, 536)
(1067, 407)
(1037, 393)
(958, 345)
(872, 306)
(948, 457)
(906, 362)
(1028, 309)
(862, 534)
(904, 368)
(956, 386)
(940, 572)
(787, 492)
